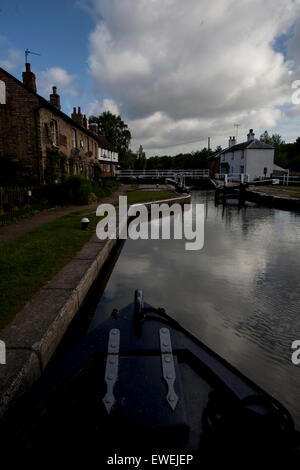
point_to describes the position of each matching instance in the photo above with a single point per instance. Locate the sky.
(177, 72)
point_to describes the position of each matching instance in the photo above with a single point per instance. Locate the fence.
(16, 203)
(195, 174)
(233, 177)
(288, 180)
(14, 196)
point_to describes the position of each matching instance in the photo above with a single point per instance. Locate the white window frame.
(2, 92)
(74, 138)
(53, 132)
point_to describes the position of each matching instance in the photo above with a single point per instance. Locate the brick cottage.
(31, 127)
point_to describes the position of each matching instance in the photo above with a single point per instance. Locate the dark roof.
(105, 143)
(253, 144)
(47, 104)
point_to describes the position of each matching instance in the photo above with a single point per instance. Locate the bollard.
(84, 223)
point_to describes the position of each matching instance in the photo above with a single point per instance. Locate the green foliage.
(75, 190)
(141, 161)
(194, 160)
(10, 163)
(128, 160)
(275, 139)
(79, 190)
(56, 166)
(97, 171)
(11, 169)
(114, 129)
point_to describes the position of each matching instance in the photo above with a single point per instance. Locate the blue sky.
(59, 32)
(175, 74)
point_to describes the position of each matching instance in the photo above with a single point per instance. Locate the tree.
(275, 139)
(129, 159)
(277, 142)
(141, 161)
(114, 129)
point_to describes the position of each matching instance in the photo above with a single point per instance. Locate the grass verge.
(32, 259)
(144, 196)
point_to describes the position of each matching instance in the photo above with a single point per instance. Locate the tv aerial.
(27, 52)
(236, 130)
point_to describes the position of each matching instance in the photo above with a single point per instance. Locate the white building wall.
(235, 160)
(257, 160)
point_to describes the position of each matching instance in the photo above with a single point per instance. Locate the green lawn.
(32, 259)
(290, 188)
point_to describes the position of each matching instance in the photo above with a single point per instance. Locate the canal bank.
(33, 336)
(272, 197)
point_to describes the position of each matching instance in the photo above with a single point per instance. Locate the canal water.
(240, 294)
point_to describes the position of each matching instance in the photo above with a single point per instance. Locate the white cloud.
(13, 58)
(59, 77)
(180, 71)
(99, 106)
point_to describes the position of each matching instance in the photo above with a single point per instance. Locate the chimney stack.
(78, 117)
(29, 78)
(231, 141)
(55, 98)
(85, 122)
(93, 126)
(251, 135)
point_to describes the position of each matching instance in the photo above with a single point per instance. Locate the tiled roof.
(253, 144)
(44, 103)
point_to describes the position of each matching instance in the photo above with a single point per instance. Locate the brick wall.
(26, 131)
(78, 162)
(18, 130)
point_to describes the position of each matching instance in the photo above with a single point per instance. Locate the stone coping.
(279, 202)
(32, 337)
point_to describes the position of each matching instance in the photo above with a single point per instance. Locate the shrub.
(74, 190)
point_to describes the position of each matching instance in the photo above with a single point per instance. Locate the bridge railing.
(162, 173)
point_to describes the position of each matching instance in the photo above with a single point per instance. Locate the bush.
(75, 190)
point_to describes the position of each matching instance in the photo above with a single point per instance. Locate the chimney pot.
(54, 90)
(79, 110)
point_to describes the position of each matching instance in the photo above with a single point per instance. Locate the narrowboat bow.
(140, 385)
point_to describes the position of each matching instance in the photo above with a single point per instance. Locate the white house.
(253, 158)
(107, 155)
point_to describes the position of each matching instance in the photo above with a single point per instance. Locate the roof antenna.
(236, 130)
(27, 51)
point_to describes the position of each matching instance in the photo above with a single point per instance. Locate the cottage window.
(242, 168)
(232, 156)
(53, 132)
(87, 144)
(243, 154)
(2, 92)
(223, 158)
(74, 139)
(81, 144)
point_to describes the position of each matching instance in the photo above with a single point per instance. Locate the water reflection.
(240, 294)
